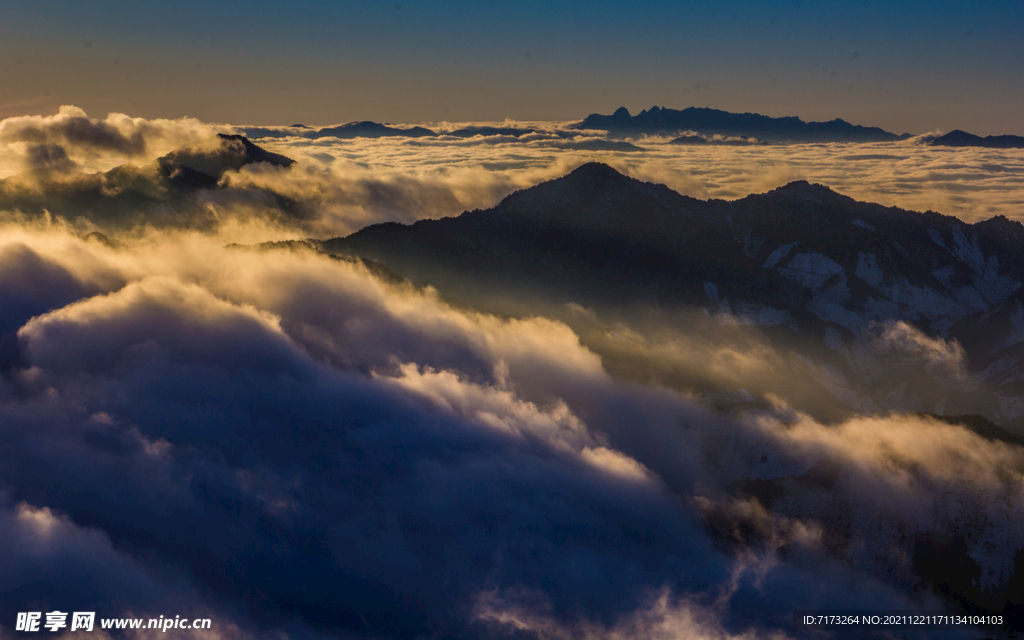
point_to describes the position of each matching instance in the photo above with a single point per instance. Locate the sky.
(910, 67)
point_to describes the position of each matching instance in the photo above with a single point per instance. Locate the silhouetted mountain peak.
(1002, 229)
(482, 130)
(370, 129)
(203, 163)
(595, 171)
(249, 153)
(801, 190)
(594, 186)
(958, 138)
(596, 196)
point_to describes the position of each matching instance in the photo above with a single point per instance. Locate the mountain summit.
(593, 192)
(202, 164)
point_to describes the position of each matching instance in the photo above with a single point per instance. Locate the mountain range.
(693, 125)
(653, 121)
(656, 120)
(369, 129)
(822, 275)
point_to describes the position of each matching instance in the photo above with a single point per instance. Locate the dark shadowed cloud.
(282, 442)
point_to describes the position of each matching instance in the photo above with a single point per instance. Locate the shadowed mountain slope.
(804, 263)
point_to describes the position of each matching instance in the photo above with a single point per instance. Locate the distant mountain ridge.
(653, 121)
(370, 129)
(657, 120)
(732, 129)
(958, 138)
(359, 129)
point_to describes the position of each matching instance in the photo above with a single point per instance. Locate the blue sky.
(910, 66)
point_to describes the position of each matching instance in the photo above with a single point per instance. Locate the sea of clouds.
(288, 444)
(343, 185)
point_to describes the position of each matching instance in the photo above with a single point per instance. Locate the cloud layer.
(33, 142)
(293, 446)
(285, 443)
(339, 186)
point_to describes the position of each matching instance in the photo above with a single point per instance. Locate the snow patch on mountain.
(778, 255)
(994, 288)
(811, 270)
(968, 251)
(969, 297)
(943, 275)
(917, 302)
(868, 269)
(836, 314)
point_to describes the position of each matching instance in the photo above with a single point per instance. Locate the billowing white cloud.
(33, 142)
(939, 356)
